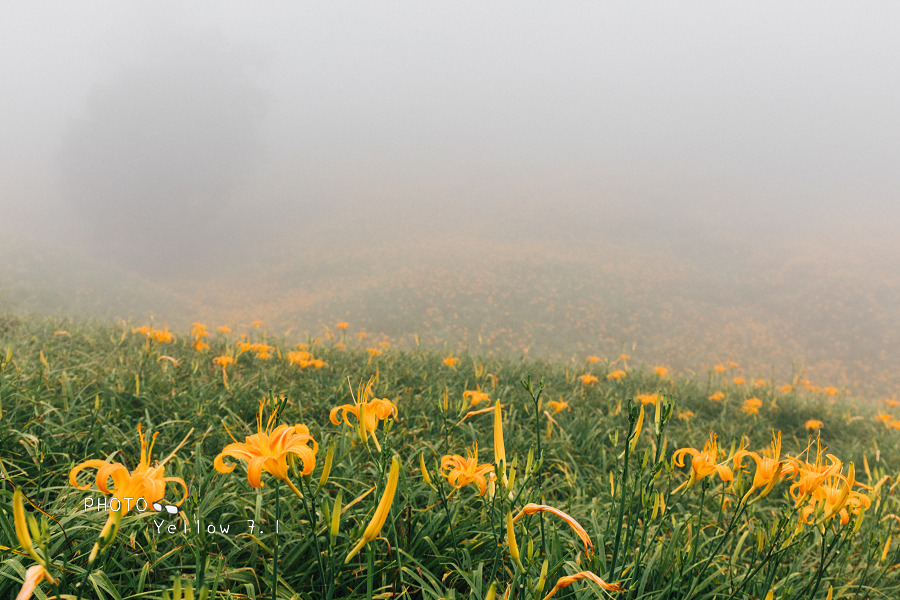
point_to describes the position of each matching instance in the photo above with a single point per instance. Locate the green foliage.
(80, 395)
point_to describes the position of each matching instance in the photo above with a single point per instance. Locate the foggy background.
(701, 181)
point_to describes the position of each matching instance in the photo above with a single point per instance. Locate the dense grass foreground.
(583, 492)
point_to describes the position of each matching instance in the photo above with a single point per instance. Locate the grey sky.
(790, 106)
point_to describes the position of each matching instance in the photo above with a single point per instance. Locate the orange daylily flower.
(342, 325)
(814, 424)
(617, 375)
(223, 361)
(461, 471)
(717, 397)
(836, 498)
(558, 405)
(686, 415)
(811, 475)
(33, 576)
(373, 351)
(263, 351)
(531, 509)
(224, 329)
(719, 368)
(739, 381)
(451, 361)
(158, 336)
(570, 579)
(299, 357)
(370, 412)
(769, 469)
(475, 396)
(593, 359)
(886, 419)
(268, 449)
(703, 462)
(146, 482)
(587, 379)
(647, 398)
(661, 371)
(786, 389)
(751, 406)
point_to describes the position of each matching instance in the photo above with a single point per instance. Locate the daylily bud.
(492, 592)
(336, 515)
(859, 520)
(637, 429)
(326, 468)
(22, 527)
(658, 416)
(511, 540)
(381, 511)
(499, 449)
(512, 476)
(543, 578)
(425, 476)
(530, 462)
(326, 512)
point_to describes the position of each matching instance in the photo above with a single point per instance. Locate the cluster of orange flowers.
(158, 336)
(889, 421)
(263, 351)
(752, 405)
(819, 488)
(304, 359)
(809, 387)
(617, 375)
(198, 331)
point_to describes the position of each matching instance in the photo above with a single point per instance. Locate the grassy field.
(599, 450)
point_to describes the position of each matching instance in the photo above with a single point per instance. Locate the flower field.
(139, 462)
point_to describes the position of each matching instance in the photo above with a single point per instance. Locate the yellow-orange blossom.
(268, 450)
(145, 482)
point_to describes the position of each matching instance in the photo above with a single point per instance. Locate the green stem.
(694, 545)
(623, 484)
(370, 571)
(718, 547)
(449, 521)
(310, 515)
(751, 574)
(275, 546)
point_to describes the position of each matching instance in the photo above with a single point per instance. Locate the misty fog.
(699, 182)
